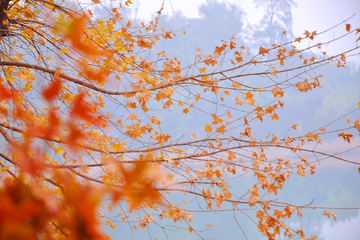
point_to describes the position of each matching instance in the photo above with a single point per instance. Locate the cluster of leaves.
(79, 115)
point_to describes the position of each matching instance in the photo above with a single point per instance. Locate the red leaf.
(5, 93)
(53, 90)
(81, 109)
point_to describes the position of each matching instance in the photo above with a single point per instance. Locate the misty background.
(254, 24)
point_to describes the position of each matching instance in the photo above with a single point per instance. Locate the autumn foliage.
(82, 125)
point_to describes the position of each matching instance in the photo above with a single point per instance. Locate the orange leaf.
(221, 129)
(208, 128)
(74, 32)
(228, 115)
(348, 27)
(346, 136)
(193, 136)
(248, 95)
(339, 64)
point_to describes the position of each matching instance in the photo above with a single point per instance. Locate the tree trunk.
(4, 28)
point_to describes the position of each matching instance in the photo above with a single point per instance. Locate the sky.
(308, 15)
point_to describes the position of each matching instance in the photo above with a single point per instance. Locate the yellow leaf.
(209, 225)
(10, 78)
(169, 176)
(326, 213)
(294, 127)
(59, 150)
(358, 104)
(65, 51)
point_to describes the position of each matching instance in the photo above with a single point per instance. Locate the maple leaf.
(326, 213)
(274, 117)
(248, 95)
(169, 176)
(81, 109)
(193, 136)
(53, 90)
(5, 93)
(143, 44)
(202, 70)
(168, 103)
(346, 136)
(216, 119)
(231, 155)
(208, 128)
(277, 92)
(274, 72)
(221, 129)
(263, 50)
(339, 64)
(228, 115)
(348, 27)
(73, 31)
